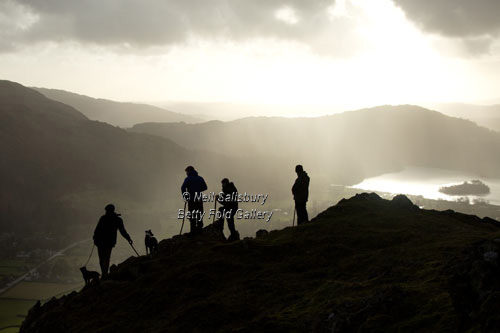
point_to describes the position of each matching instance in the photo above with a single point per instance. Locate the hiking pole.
(215, 210)
(183, 217)
(293, 223)
(134, 249)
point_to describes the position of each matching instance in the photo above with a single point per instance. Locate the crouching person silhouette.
(105, 236)
(229, 207)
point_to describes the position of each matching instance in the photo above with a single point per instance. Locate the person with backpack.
(300, 191)
(105, 236)
(191, 189)
(229, 202)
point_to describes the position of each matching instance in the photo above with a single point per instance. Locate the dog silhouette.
(151, 242)
(89, 276)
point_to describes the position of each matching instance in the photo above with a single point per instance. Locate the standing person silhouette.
(105, 236)
(229, 207)
(300, 191)
(194, 185)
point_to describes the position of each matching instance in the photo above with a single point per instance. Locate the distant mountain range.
(116, 113)
(129, 114)
(60, 166)
(350, 146)
(484, 115)
(232, 111)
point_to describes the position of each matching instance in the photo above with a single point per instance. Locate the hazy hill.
(350, 146)
(116, 113)
(484, 115)
(58, 166)
(232, 111)
(364, 265)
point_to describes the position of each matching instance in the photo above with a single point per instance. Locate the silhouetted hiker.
(300, 192)
(194, 185)
(229, 204)
(105, 236)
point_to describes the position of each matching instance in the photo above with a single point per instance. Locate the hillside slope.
(355, 144)
(59, 166)
(116, 113)
(366, 264)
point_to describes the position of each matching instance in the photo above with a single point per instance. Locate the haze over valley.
(141, 166)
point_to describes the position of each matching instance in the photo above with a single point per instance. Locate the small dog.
(90, 276)
(151, 242)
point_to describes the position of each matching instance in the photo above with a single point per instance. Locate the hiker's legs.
(302, 216)
(234, 236)
(193, 211)
(199, 221)
(219, 223)
(104, 258)
(192, 220)
(230, 223)
(192, 225)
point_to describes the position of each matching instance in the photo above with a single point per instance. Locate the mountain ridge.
(484, 115)
(123, 114)
(12, 93)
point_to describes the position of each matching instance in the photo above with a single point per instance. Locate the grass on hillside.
(39, 290)
(365, 264)
(12, 312)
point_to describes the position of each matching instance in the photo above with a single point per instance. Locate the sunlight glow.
(287, 15)
(389, 61)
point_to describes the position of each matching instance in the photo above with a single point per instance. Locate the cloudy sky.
(348, 53)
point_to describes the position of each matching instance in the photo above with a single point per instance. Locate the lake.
(426, 182)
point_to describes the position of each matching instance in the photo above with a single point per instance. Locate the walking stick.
(215, 210)
(293, 223)
(134, 249)
(183, 217)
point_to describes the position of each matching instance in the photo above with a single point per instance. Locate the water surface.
(426, 182)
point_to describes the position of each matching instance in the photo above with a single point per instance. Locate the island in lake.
(474, 187)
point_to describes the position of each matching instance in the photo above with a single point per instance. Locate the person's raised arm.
(96, 231)
(122, 230)
(184, 186)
